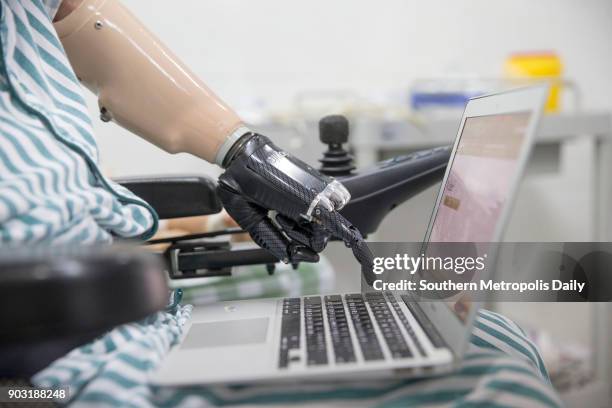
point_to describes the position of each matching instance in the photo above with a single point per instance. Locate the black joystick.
(333, 131)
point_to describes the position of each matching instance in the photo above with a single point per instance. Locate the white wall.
(270, 50)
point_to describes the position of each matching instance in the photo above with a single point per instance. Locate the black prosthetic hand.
(287, 207)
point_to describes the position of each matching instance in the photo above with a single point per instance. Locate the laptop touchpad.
(227, 333)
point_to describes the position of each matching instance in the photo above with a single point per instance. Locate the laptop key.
(290, 327)
(364, 329)
(290, 330)
(404, 320)
(388, 326)
(314, 330)
(339, 331)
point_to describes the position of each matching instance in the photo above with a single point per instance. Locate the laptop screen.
(479, 181)
(478, 185)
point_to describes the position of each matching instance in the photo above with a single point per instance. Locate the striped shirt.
(51, 188)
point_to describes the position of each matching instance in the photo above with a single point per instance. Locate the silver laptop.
(371, 335)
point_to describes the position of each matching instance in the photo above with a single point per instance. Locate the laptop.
(373, 334)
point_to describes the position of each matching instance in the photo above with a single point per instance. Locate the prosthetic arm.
(288, 208)
(142, 86)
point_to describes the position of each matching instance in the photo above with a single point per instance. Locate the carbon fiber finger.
(254, 220)
(364, 256)
(311, 235)
(269, 238)
(340, 228)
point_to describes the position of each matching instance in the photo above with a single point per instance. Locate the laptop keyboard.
(290, 329)
(388, 326)
(364, 312)
(404, 320)
(364, 328)
(316, 347)
(339, 330)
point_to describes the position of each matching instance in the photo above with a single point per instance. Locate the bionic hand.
(144, 88)
(287, 207)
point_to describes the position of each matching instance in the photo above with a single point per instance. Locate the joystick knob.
(334, 131)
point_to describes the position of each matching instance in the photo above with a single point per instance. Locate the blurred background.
(401, 71)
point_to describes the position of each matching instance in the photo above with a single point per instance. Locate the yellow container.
(544, 65)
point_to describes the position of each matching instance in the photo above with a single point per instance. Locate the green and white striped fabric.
(51, 189)
(502, 368)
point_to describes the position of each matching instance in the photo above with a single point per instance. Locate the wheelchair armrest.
(55, 299)
(377, 190)
(176, 196)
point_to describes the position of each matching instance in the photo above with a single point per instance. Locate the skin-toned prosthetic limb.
(142, 86)
(287, 207)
